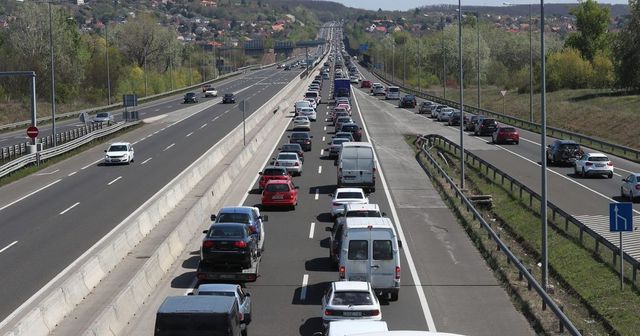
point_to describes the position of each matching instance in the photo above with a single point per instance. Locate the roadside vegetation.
(584, 279)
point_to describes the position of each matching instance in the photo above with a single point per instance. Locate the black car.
(229, 98)
(354, 129)
(190, 98)
(293, 148)
(408, 101)
(485, 126)
(563, 152)
(229, 244)
(287, 67)
(301, 138)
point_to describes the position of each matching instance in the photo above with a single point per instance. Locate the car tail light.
(240, 244)
(397, 272)
(610, 163)
(374, 312)
(328, 312)
(341, 272)
(207, 244)
(637, 186)
(588, 164)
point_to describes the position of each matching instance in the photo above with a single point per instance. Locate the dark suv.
(408, 101)
(229, 244)
(354, 129)
(486, 126)
(229, 98)
(563, 152)
(301, 138)
(190, 98)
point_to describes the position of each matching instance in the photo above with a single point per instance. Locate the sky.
(410, 4)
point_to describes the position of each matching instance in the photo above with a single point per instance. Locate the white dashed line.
(30, 194)
(91, 164)
(171, 145)
(317, 194)
(313, 227)
(323, 139)
(319, 169)
(114, 181)
(156, 110)
(321, 152)
(325, 128)
(303, 289)
(188, 135)
(69, 208)
(145, 161)
(71, 174)
(8, 246)
(203, 126)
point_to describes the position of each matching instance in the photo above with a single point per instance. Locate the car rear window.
(299, 136)
(382, 250)
(598, 158)
(311, 94)
(226, 231)
(352, 299)
(394, 90)
(291, 147)
(349, 128)
(279, 187)
(217, 293)
(344, 119)
(286, 156)
(363, 213)
(339, 141)
(358, 250)
(349, 194)
(274, 172)
(233, 218)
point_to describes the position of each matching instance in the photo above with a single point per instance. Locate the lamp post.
(393, 60)
(543, 154)
(53, 80)
(444, 68)
(530, 66)
(478, 55)
(461, 95)
(106, 43)
(419, 63)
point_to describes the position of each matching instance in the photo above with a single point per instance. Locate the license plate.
(599, 165)
(352, 314)
(226, 276)
(277, 197)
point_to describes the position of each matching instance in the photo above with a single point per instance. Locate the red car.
(506, 134)
(280, 193)
(365, 84)
(272, 173)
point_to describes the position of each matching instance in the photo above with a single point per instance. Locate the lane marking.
(145, 161)
(321, 152)
(303, 289)
(156, 110)
(317, 193)
(188, 135)
(69, 208)
(49, 173)
(319, 169)
(412, 267)
(216, 118)
(91, 164)
(114, 181)
(30, 194)
(312, 229)
(171, 145)
(71, 174)
(203, 126)
(323, 139)
(325, 128)
(8, 246)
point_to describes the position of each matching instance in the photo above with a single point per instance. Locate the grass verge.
(584, 283)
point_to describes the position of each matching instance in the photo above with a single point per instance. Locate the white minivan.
(393, 92)
(357, 166)
(370, 251)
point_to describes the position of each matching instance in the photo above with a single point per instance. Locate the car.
(486, 126)
(119, 152)
(287, 67)
(293, 148)
(334, 146)
(354, 129)
(301, 138)
(229, 98)
(505, 134)
(339, 112)
(593, 164)
(249, 216)
(206, 87)
(243, 299)
(313, 94)
(272, 173)
(312, 102)
(290, 161)
(325, 75)
(435, 109)
(454, 118)
(229, 244)
(301, 104)
(344, 196)
(408, 101)
(301, 124)
(343, 100)
(630, 187)
(425, 107)
(190, 97)
(314, 88)
(211, 92)
(471, 125)
(366, 84)
(309, 113)
(340, 121)
(280, 193)
(563, 152)
(344, 135)
(378, 90)
(445, 113)
(354, 79)
(350, 300)
(393, 92)
(103, 117)
(280, 66)
(345, 106)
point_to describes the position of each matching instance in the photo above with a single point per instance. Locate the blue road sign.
(620, 217)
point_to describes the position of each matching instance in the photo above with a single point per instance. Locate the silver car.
(103, 117)
(289, 161)
(630, 187)
(335, 145)
(301, 124)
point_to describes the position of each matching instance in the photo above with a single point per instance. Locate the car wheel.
(610, 175)
(394, 296)
(245, 330)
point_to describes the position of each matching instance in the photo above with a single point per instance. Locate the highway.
(445, 283)
(51, 218)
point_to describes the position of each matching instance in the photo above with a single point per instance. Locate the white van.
(393, 92)
(353, 327)
(357, 166)
(370, 251)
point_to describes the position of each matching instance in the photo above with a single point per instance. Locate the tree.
(592, 21)
(627, 50)
(567, 69)
(142, 39)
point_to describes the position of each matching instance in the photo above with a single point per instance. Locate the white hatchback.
(119, 152)
(344, 196)
(350, 300)
(593, 164)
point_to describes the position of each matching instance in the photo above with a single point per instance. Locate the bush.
(498, 74)
(567, 69)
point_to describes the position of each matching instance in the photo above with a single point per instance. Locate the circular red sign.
(32, 132)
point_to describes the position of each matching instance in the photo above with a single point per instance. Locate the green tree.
(142, 40)
(627, 50)
(567, 69)
(603, 71)
(591, 23)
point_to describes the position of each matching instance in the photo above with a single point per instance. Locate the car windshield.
(299, 136)
(274, 172)
(598, 158)
(339, 141)
(291, 147)
(190, 94)
(291, 156)
(352, 299)
(216, 293)
(228, 95)
(349, 194)
(488, 121)
(344, 119)
(225, 232)
(102, 115)
(299, 119)
(118, 148)
(233, 218)
(363, 213)
(278, 187)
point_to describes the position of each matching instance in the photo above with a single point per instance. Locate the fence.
(603, 146)
(525, 194)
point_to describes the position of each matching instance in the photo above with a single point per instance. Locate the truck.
(341, 87)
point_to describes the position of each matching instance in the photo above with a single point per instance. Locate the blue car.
(246, 215)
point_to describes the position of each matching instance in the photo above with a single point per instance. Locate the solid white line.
(203, 126)
(145, 161)
(27, 195)
(8, 246)
(114, 181)
(412, 267)
(317, 193)
(319, 169)
(313, 227)
(321, 152)
(71, 174)
(171, 145)
(303, 289)
(49, 173)
(69, 208)
(188, 135)
(91, 164)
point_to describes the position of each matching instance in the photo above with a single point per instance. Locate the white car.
(354, 79)
(445, 113)
(350, 300)
(593, 164)
(301, 104)
(289, 161)
(378, 90)
(312, 102)
(119, 152)
(344, 196)
(301, 124)
(210, 92)
(309, 113)
(630, 186)
(243, 299)
(103, 117)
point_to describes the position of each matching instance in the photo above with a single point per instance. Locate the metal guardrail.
(626, 152)
(36, 157)
(521, 189)
(522, 269)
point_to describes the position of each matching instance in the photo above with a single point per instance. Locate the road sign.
(620, 217)
(503, 92)
(32, 132)
(244, 106)
(129, 100)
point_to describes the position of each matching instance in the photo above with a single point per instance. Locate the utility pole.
(106, 40)
(53, 79)
(444, 68)
(478, 38)
(543, 158)
(530, 66)
(461, 95)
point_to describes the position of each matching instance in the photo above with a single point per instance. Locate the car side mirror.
(259, 173)
(247, 294)
(400, 243)
(264, 218)
(213, 218)
(205, 231)
(311, 136)
(624, 180)
(384, 214)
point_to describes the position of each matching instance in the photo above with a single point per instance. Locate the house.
(381, 29)
(277, 27)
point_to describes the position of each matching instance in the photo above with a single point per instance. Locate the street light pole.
(393, 60)
(461, 95)
(419, 63)
(53, 80)
(444, 68)
(543, 158)
(478, 61)
(530, 66)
